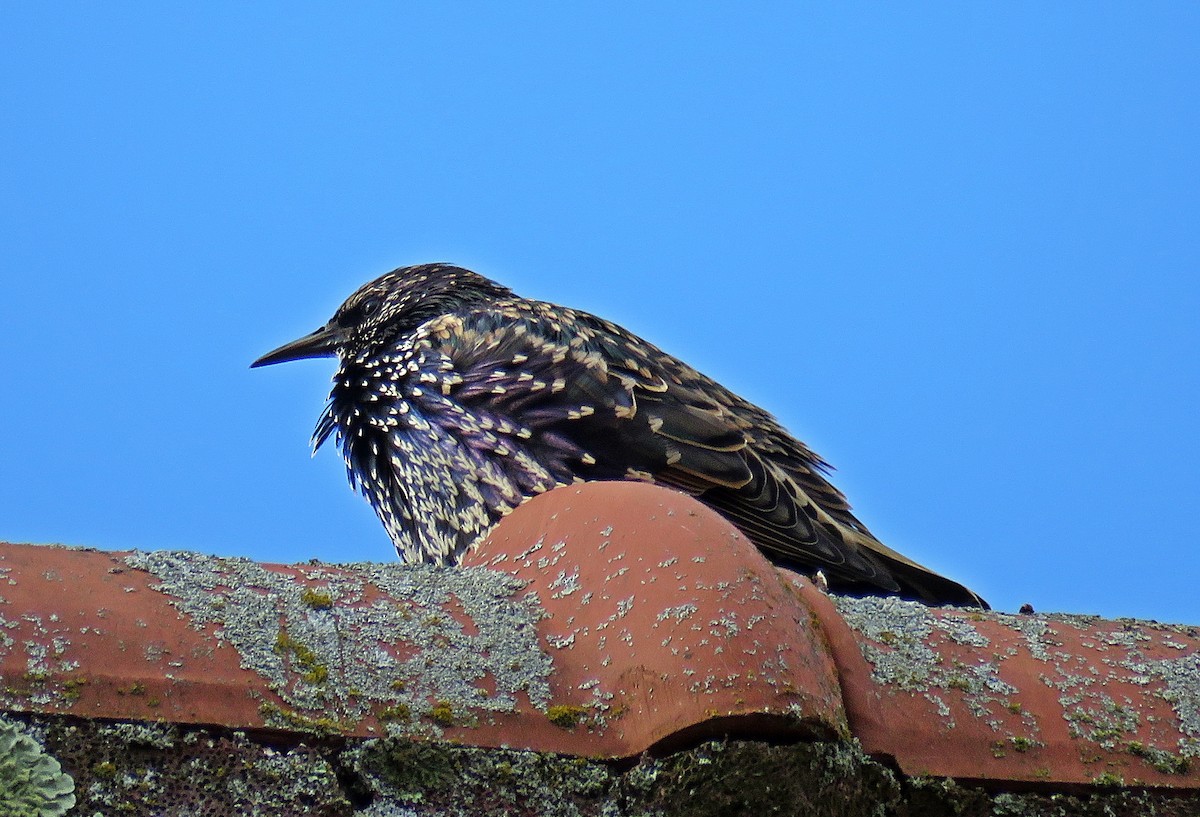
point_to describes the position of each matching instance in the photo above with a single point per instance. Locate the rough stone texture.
(138, 769)
(141, 768)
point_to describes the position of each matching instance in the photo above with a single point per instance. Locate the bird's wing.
(594, 401)
(734, 457)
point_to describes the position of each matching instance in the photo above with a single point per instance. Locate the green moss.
(1168, 763)
(318, 674)
(316, 599)
(566, 717)
(407, 771)
(396, 712)
(302, 656)
(1108, 779)
(1022, 744)
(274, 715)
(1159, 759)
(442, 713)
(72, 687)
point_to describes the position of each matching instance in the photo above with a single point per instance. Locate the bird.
(455, 400)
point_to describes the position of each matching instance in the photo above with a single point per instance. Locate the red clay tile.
(663, 619)
(995, 696)
(633, 617)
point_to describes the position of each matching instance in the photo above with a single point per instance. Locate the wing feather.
(600, 403)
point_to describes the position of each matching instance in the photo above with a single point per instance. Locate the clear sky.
(954, 247)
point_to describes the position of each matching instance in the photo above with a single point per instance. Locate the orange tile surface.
(598, 620)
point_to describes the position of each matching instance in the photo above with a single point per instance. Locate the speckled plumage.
(455, 400)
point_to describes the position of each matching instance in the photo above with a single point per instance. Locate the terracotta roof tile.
(600, 620)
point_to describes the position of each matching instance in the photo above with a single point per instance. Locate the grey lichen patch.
(565, 584)
(1094, 713)
(1181, 689)
(32, 783)
(352, 637)
(1105, 679)
(139, 734)
(46, 643)
(1036, 632)
(677, 613)
(902, 640)
(1097, 717)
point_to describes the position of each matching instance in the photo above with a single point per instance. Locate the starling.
(455, 400)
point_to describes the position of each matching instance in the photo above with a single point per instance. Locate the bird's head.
(387, 308)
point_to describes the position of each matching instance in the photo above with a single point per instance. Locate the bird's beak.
(322, 343)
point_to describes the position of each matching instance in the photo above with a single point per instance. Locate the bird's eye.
(356, 314)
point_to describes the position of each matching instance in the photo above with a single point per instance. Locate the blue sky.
(954, 247)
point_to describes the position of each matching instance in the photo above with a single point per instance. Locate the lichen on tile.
(338, 640)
